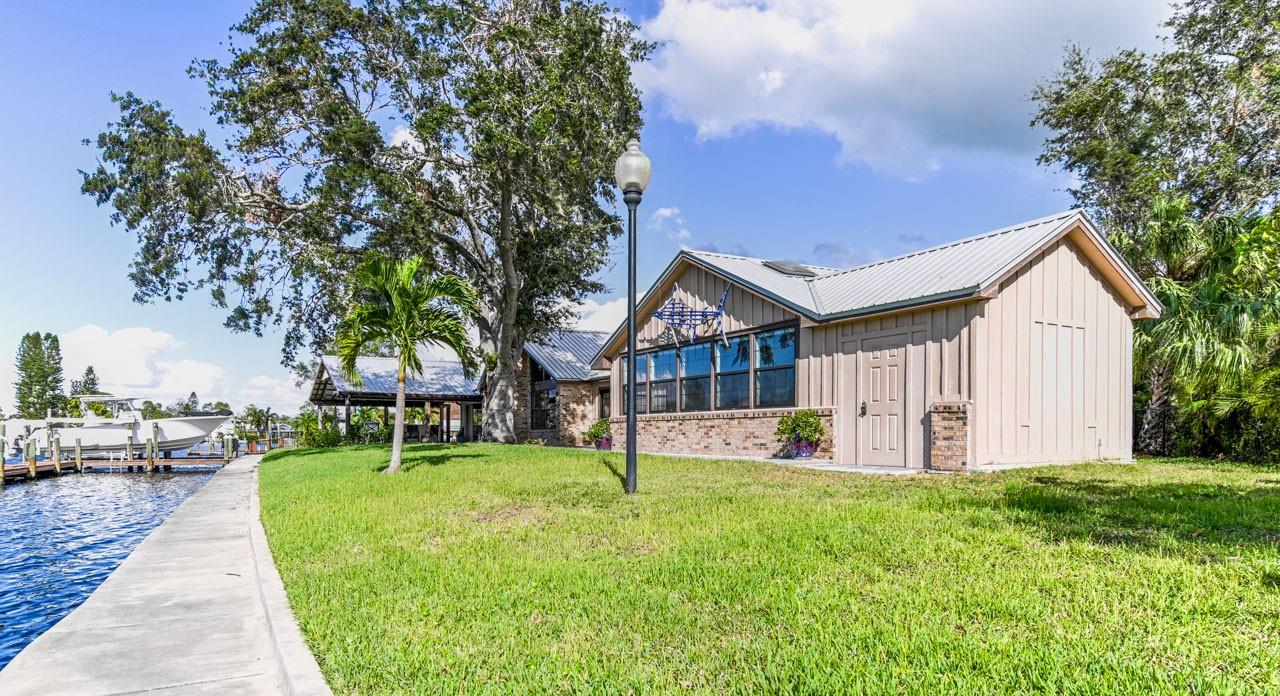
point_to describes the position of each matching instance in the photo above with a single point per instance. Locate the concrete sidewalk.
(197, 608)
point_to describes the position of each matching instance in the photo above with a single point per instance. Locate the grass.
(522, 569)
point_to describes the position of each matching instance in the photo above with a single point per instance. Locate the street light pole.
(632, 172)
(632, 199)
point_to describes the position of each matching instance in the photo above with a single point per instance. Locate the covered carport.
(440, 387)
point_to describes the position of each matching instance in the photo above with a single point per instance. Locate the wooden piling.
(128, 448)
(79, 460)
(31, 458)
(55, 453)
(226, 449)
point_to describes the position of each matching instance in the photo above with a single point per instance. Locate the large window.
(776, 368)
(733, 373)
(695, 377)
(642, 382)
(756, 370)
(542, 398)
(662, 381)
(606, 402)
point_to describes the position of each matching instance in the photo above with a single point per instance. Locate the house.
(558, 394)
(1013, 346)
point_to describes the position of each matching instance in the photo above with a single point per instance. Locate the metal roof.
(567, 355)
(952, 269)
(792, 290)
(440, 379)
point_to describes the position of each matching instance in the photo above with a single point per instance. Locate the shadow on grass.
(1199, 517)
(418, 455)
(622, 478)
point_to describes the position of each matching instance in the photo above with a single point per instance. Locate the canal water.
(61, 537)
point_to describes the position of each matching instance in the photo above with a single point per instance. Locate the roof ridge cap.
(982, 235)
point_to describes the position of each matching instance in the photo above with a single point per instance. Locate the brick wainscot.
(950, 444)
(729, 433)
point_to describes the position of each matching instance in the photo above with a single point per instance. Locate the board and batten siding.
(699, 288)
(939, 367)
(1054, 377)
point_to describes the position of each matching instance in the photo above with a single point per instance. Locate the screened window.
(733, 373)
(695, 377)
(606, 404)
(776, 368)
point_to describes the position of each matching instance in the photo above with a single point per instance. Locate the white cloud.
(602, 316)
(670, 222)
(834, 255)
(282, 395)
(148, 363)
(897, 83)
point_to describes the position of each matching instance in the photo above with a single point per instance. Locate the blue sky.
(831, 131)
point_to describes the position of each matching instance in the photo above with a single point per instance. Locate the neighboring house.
(558, 395)
(1014, 346)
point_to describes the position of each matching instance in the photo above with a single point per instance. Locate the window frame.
(756, 369)
(536, 387)
(712, 389)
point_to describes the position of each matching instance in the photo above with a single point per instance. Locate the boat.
(116, 432)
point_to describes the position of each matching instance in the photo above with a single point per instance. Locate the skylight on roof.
(790, 268)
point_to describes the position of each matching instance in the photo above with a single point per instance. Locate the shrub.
(599, 430)
(802, 425)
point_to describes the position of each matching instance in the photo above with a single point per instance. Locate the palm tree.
(1217, 281)
(397, 306)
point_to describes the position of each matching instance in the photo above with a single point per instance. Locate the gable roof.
(967, 268)
(567, 355)
(440, 379)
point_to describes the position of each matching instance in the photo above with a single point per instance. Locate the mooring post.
(226, 448)
(128, 448)
(57, 455)
(4, 452)
(31, 458)
(79, 461)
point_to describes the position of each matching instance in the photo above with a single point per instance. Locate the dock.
(59, 461)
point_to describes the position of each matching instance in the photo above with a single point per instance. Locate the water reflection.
(61, 537)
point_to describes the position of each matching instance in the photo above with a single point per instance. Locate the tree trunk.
(499, 401)
(397, 433)
(1153, 438)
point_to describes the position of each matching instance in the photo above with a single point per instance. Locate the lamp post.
(632, 174)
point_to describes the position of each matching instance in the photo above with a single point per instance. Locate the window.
(642, 388)
(606, 405)
(755, 370)
(776, 368)
(695, 377)
(542, 398)
(733, 373)
(662, 381)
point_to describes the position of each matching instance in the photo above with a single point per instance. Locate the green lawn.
(525, 569)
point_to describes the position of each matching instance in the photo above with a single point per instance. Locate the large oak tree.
(478, 133)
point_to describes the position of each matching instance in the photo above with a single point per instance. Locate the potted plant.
(601, 434)
(801, 431)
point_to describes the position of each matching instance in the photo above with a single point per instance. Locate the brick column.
(949, 436)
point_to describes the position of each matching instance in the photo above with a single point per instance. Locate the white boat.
(111, 434)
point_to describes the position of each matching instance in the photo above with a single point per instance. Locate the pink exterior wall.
(939, 367)
(1054, 365)
(1046, 363)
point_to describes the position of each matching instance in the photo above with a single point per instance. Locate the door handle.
(862, 412)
